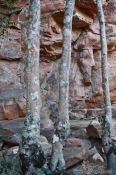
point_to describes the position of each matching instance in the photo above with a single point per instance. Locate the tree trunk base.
(32, 159)
(57, 161)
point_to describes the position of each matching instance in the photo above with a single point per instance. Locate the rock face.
(86, 98)
(85, 74)
(94, 129)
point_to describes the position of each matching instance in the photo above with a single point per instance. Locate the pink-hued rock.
(85, 74)
(94, 129)
(12, 109)
(76, 152)
(70, 142)
(10, 45)
(10, 151)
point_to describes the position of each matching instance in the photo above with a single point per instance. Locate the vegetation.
(31, 154)
(30, 159)
(107, 121)
(63, 125)
(10, 165)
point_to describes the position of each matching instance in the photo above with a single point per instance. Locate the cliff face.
(86, 97)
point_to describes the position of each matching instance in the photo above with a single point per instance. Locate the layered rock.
(86, 98)
(85, 74)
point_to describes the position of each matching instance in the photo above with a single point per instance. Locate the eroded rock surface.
(86, 98)
(85, 74)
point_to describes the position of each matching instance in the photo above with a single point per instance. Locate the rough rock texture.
(94, 129)
(85, 74)
(86, 98)
(76, 149)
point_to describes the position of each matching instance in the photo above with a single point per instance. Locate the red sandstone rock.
(94, 129)
(85, 74)
(10, 45)
(77, 150)
(9, 151)
(71, 142)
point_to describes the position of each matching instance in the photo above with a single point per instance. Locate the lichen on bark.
(31, 154)
(107, 122)
(107, 119)
(63, 124)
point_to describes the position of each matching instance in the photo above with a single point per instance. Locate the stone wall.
(86, 97)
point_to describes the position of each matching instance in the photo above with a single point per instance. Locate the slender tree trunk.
(63, 125)
(31, 154)
(107, 120)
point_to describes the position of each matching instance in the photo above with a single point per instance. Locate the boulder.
(94, 129)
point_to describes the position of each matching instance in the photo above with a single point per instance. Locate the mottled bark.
(57, 157)
(107, 120)
(31, 154)
(63, 125)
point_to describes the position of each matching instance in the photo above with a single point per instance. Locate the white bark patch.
(32, 127)
(35, 95)
(64, 125)
(55, 138)
(36, 108)
(63, 83)
(64, 64)
(68, 19)
(35, 79)
(67, 31)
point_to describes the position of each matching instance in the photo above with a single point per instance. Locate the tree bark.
(107, 120)
(31, 154)
(63, 125)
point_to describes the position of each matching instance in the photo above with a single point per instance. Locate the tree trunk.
(107, 120)
(31, 154)
(63, 125)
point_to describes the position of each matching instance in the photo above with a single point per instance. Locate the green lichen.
(8, 6)
(9, 9)
(54, 58)
(4, 21)
(10, 165)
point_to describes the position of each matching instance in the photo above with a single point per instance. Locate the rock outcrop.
(86, 97)
(85, 74)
